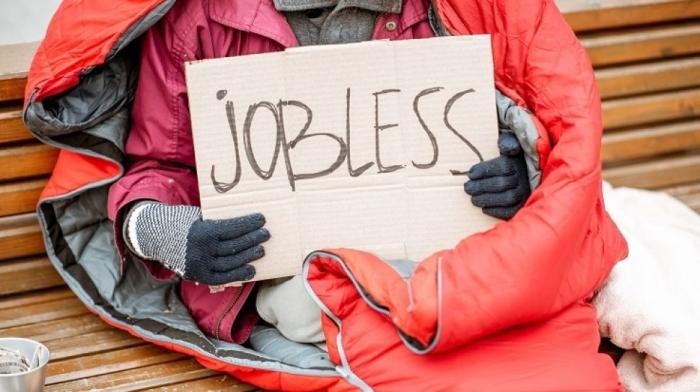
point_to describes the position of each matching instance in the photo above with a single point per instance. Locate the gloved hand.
(213, 252)
(500, 186)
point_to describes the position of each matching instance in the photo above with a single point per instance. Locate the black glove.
(219, 251)
(208, 251)
(500, 186)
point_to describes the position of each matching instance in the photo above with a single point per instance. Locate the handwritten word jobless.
(242, 131)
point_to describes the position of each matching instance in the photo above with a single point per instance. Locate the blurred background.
(25, 21)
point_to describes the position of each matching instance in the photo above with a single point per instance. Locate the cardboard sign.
(361, 146)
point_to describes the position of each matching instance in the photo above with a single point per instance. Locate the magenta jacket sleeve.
(159, 146)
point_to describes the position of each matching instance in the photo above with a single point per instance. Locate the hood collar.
(388, 6)
(256, 16)
(261, 17)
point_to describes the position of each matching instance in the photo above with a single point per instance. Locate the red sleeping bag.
(504, 310)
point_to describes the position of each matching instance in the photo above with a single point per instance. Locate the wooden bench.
(647, 59)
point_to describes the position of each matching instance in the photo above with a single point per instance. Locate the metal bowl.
(26, 381)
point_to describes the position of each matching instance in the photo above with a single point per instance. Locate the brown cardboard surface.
(325, 110)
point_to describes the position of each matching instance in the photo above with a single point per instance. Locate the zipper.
(228, 309)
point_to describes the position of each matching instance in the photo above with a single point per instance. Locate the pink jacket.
(160, 142)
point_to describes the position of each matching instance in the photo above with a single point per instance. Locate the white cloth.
(287, 305)
(650, 304)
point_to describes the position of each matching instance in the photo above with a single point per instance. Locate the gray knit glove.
(213, 252)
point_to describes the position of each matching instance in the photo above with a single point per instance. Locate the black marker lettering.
(448, 107)
(223, 187)
(285, 145)
(378, 128)
(363, 168)
(342, 152)
(265, 175)
(433, 141)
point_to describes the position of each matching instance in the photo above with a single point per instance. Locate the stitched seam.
(418, 17)
(252, 27)
(225, 312)
(178, 57)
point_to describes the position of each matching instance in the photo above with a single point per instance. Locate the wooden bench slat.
(20, 235)
(137, 379)
(642, 44)
(684, 190)
(12, 128)
(585, 15)
(14, 64)
(28, 274)
(689, 194)
(656, 174)
(20, 197)
(649, 78)
(27, 161)
(90, 343)
(58, 329)
(24, 299)
(692, 201)
(626, 112)
(108, 362)
(649, 142)
(12, 88)
(41, 312)
(216, 383)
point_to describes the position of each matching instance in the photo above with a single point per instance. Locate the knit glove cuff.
(155, 231)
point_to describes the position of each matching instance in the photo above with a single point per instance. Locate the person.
(506, 309)
(156, 201)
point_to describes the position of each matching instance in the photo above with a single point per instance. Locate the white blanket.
(650, 304)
